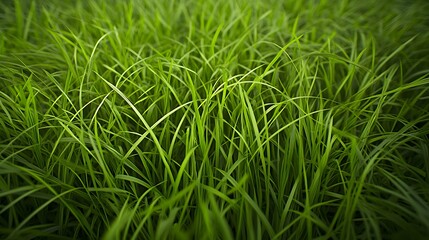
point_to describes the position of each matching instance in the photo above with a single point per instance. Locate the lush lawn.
(207, 119)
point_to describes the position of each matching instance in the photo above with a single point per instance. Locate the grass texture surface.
(205, 119)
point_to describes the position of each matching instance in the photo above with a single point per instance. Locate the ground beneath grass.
(210, 119)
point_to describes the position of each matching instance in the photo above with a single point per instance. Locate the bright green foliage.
(205, 119)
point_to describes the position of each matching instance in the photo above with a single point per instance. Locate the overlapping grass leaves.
(203, 119)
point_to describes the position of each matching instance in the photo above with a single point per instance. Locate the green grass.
(258, 119)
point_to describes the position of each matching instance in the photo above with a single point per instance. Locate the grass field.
(205, 119)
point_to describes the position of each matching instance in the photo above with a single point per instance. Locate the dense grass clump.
(207, 119)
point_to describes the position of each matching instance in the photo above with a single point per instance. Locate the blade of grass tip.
(176, 133)
(164, 226)
(215, 38)
(148, 128)
(295, 221)
(221, 222)
(120, 222)
(183, 165)
(147, 214)
(370, 124)
(32, 118)
(186, 206)
(254, 206)
(133, 214)
(143, 136)
(287, 208)
(268, 69)
(205, 213)
(322, 163)
(133, 179)
(199, 120)
(29, 20)
(257, 136)
(84, 150)
(98, 151)
(87, 72)
(19, 17)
